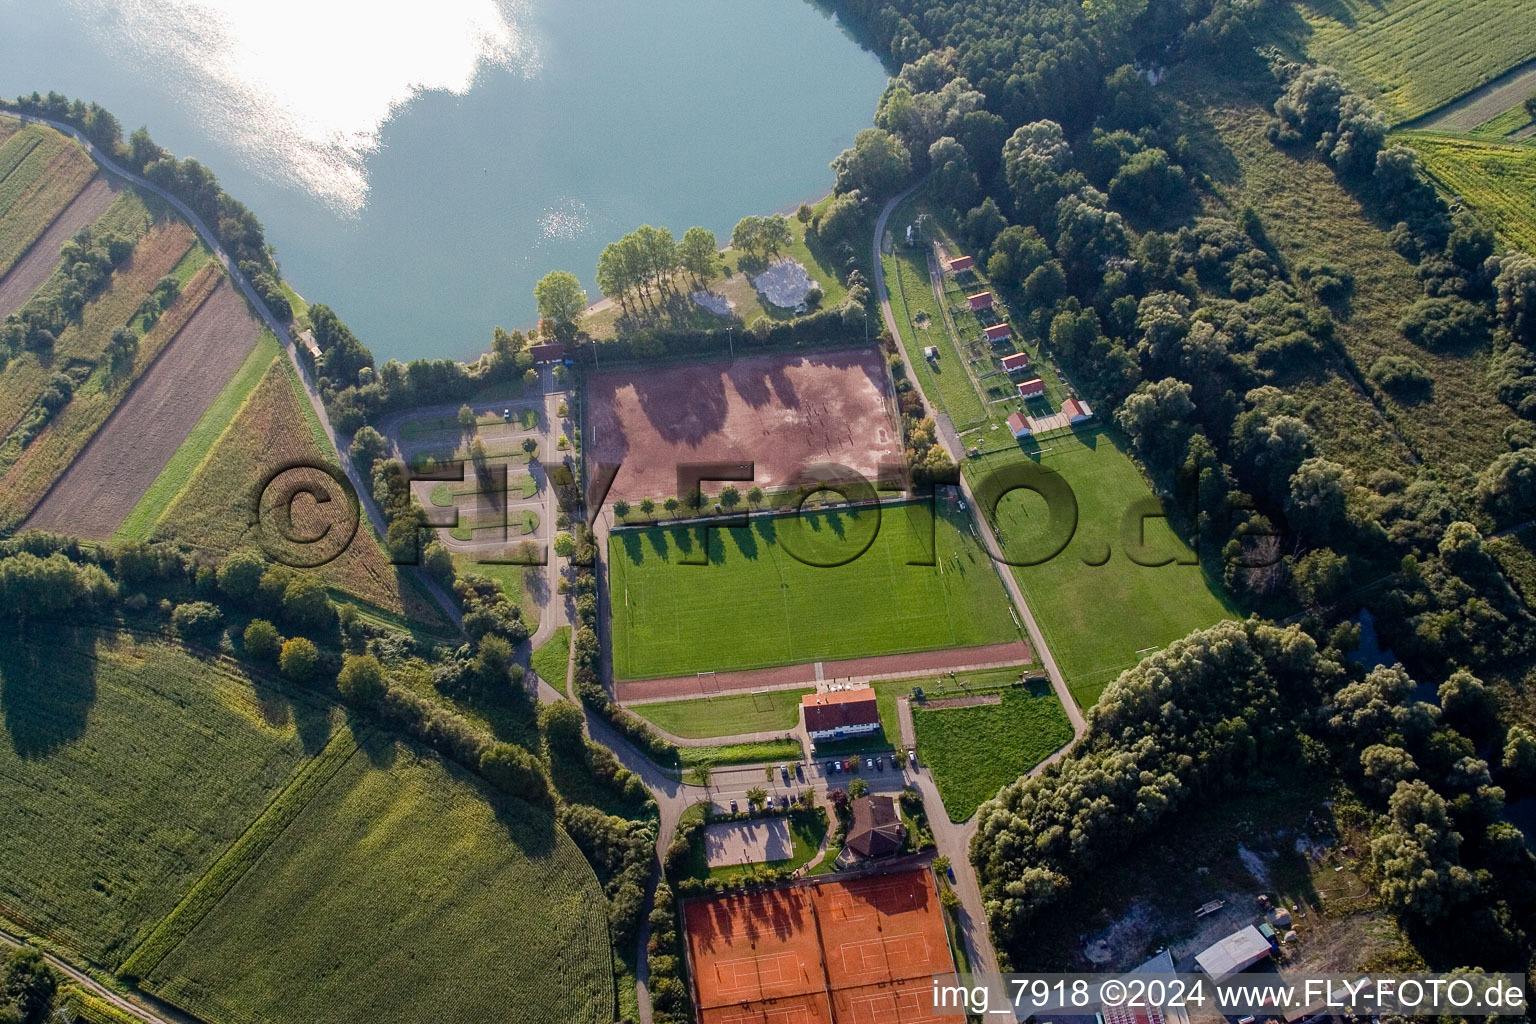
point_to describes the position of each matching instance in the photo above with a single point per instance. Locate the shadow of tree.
(47, 687)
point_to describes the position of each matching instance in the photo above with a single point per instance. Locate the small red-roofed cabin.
(1016, 362)
(998, 332)
(1032, 388)
(1076, 410)
(1020, 425)
(961, 263)
(980, 301)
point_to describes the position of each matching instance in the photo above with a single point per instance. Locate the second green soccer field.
(754, 603)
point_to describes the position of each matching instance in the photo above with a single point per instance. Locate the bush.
(262, 640)
(1440, 324)
(513, 770)
(196, 619)
(1403, 378)
(299, 659)
(361, 679)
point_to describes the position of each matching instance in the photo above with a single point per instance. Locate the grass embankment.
(1413, 56)
(974, 751)
(415, 865)
(176, 474)
(1098, 610)
(551, 660)
(1498, 179)
(667, 616)
(126, 769)
(740, 753)
(729, 715)
(275, 428)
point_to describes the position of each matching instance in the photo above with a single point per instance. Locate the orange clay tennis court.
(862, 951)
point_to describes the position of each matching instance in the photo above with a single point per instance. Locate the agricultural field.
(126, 768)
(727, 715)
(1497, 179)
(199, 441)
(403, 890)
(1413, 56)
(974, 751)
(41, 172)
(794, 589)
(1098, 616)
(114, 454)
(277, 427)
(1309, 217)
(29, 247)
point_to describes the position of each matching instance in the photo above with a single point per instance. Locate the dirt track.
(892, 666)
(783, 413)
(102, 486)
(34, 268)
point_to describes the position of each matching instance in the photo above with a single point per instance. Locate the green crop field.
(975, 751)
(125, 769)
(757, 602)
(1413, 56)
(728, 715)
(1097, 618)
(403, 891)
(1498, 179)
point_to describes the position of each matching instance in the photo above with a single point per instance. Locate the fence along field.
(1414, 56)
(404, 891)
(755, 605)
(126, 768)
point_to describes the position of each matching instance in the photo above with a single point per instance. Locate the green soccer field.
(1099, 616)
(758, 600)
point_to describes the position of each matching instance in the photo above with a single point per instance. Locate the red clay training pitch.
(783, 412)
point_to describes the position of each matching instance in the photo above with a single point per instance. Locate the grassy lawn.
(729, 715)
(141, 521)
(1097, 618)
(974, 751)
(1413, 56)
(922, 324)
(513, 580)
(807, 829)
(376, 902)
(446, 495)
(740, 753)
(126, 768)
(1498, 179)
(553, 657)
(667, 616)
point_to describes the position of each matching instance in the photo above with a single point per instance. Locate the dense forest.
(1039, 125)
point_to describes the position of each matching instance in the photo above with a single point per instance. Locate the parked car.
(733, 806)
(506, 415)
(784, 801)
(951, 872)
(869, 763)
(912, 759)
(851, 765)
(784, 770)
(835, 767)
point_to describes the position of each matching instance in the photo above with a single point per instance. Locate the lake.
(419, 170)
